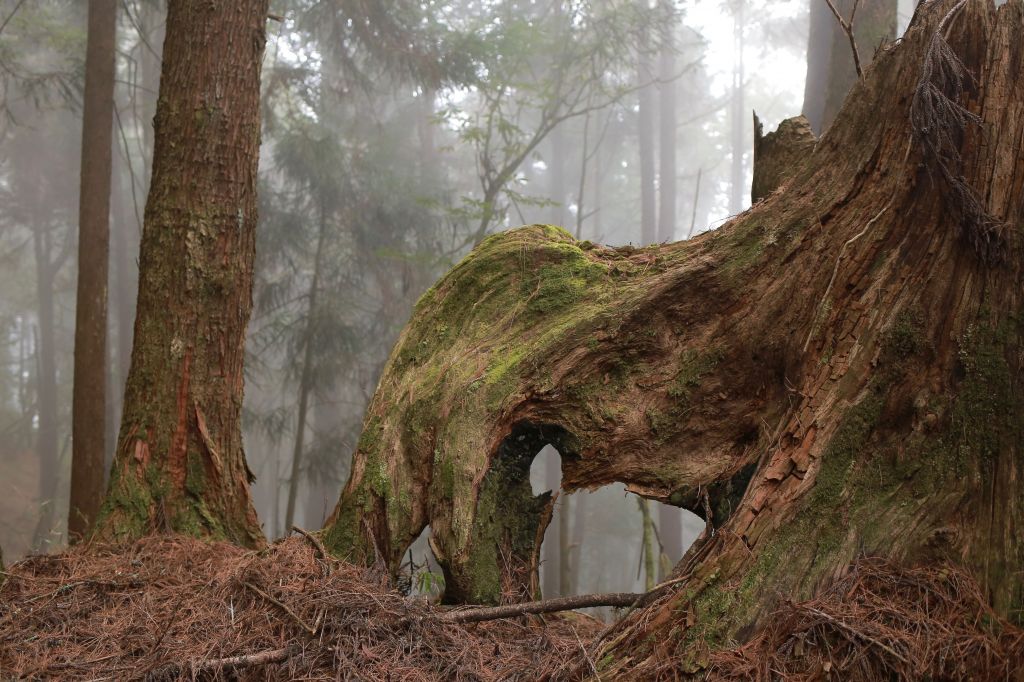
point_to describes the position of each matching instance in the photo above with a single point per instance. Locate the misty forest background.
(396, 135)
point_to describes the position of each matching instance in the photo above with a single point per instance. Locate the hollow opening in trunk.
(420, 575)
(591, 532)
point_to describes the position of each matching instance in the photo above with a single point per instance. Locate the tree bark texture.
(179, 463)
(834, 373)
(89, 396)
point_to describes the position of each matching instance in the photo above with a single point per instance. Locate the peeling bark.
(836, 372)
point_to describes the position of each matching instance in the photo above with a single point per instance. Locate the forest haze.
(702, 315)
(374, 179)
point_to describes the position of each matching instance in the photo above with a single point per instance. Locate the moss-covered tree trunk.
(179, 463)
(838, 369)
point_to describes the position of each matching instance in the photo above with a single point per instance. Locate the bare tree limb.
(315, 541)
(176, 670)
(11, 15)
(847, 27)
(312, 630)
(476, 615)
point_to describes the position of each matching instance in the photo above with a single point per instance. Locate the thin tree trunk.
(738, 117)
(552, 546)
(306, 375)
(647, 544)
(582, 186)
(560, 567)
(326, 426)
(696, 203)
(645, 147)
(89, 396)
(579, 534)
(126, 276)
(667, 136)
(179, 463)
(598, 227)
(46, 386)
(557, 179)
(425, 128)
(565, 567)
(26, 403)
(670, 530)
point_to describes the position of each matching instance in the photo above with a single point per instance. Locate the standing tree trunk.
(125, 283)
(47, 267)
(645, 146)
(579, 534)
(650, 554)
(306, 374)
(835, 373)
(557, 541)
(328, 423)
(565, 565)
(179, 463)
(89, 397)
(670, 531)
(830, 67)
(552, 546)
(667, 137)
(738, 117)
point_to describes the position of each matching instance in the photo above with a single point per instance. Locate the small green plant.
(429, 583)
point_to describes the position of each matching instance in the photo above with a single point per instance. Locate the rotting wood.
(829, 406)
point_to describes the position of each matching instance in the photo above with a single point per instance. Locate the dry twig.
(478, 614)
(847, 27)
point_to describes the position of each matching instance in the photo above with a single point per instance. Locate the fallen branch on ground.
(475, 615)
(175, 670)
(315, 541)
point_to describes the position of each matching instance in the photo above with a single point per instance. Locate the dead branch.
(175, 670)
(476, 615)
(847, 27)
(284, 607)
(315, 541)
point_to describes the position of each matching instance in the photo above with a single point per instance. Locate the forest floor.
(169, 607)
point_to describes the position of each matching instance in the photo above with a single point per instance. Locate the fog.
(394, 139)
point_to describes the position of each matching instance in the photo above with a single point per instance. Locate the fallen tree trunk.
(834, 373)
